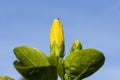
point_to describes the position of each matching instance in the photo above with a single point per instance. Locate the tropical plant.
(34, 64)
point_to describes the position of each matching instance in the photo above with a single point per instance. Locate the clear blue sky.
(96, 23)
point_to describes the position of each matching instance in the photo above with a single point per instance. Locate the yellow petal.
(56, 33)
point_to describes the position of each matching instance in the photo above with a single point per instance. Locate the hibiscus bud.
(76, 46)
(56, 39)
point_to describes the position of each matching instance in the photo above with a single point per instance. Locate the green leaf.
(5, 78)
(83, 63)
(32, 64)
(31, 56)
(36, 73)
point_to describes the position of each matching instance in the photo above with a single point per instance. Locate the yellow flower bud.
(57, 38)
(56, 33)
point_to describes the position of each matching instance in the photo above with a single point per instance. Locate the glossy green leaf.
(31, 56)
(32, 64)
(36, 73)
(83, 63)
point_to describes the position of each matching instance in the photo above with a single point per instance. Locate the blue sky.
(96, 23)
